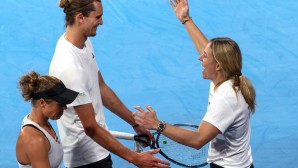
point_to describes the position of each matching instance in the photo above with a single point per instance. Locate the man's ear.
(80, 18)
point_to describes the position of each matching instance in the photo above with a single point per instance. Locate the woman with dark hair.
(226, 124)
(37, 144)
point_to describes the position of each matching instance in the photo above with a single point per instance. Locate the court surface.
(146, 56)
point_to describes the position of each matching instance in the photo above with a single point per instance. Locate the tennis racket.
(175, 152)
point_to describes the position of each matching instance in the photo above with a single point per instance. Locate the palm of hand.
(181, 10)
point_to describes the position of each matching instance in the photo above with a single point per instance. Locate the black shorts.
(104, 163)
(212, 165)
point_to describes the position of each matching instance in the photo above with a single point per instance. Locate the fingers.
(154, 161)
(176, 2)
(172, 4)
(139, 116)
(138, 119)
(142, 111)
(154, 151)
(150, 109)
(139, 108)
(160, 162)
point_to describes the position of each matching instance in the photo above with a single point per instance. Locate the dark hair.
(33, 82)
(227, 53)
(73, 7)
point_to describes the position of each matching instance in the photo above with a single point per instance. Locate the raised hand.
(181, 10)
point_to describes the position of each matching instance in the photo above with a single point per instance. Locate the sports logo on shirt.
(82, 94)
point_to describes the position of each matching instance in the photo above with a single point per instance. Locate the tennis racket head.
(181, 154)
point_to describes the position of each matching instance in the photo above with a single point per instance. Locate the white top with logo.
(78, 70)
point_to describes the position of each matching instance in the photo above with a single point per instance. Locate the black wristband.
(189, 18)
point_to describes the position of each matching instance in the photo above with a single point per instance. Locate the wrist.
(161, 127)
(186, 19)
(132, 157)
(136, 125)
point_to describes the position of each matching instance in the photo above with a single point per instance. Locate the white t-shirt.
(55, 152)
(78, 70)
(229, 113)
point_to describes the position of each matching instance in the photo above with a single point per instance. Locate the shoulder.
(225, 89)
(32, 138)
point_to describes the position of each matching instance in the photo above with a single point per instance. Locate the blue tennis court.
(147, 57)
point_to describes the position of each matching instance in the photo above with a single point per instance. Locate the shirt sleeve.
(219, 113)
(74, 78)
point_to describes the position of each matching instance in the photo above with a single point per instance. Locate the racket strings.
(182, 154)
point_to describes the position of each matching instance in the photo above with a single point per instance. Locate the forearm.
(109, 142)
(115, 105)
(198, 38)
(196, 139)
(186, 137)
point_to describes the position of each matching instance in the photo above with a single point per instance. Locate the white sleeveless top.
(55, 153)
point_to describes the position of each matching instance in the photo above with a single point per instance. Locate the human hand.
(181, 10)
(146, 159)
(141, 131)
(148, 119)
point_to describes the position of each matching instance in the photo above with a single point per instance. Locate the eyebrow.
(99, 16)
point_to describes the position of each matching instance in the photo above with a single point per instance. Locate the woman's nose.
(200, 57)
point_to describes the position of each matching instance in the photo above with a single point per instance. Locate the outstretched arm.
(181, 10)
(105, 139)
(196, 139)
(114, 104)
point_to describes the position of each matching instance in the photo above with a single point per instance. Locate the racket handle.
(122, 135)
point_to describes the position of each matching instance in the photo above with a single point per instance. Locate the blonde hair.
(33, 83)
(72, 7)
(227, 53)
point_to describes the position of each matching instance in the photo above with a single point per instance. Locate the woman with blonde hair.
(226, 124)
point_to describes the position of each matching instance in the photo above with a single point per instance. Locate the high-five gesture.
(181, 10)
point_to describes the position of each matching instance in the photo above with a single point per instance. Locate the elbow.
(199, 144)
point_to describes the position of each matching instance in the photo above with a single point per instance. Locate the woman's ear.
(42, 103)
(218, 67)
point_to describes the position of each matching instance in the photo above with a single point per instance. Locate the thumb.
(155, 151)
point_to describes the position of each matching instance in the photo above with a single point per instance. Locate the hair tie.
(238, 74)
